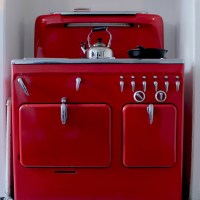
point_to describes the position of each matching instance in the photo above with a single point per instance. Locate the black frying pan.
(141, 52)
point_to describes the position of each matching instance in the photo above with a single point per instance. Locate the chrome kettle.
(98, 50)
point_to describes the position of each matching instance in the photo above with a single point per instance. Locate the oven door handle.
(150, 111)
(63, 109)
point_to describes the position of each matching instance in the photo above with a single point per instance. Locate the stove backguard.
(60, 36)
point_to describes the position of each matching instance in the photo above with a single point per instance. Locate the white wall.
(195, 181)
(11, 46)
(2, 136)
(186, 50)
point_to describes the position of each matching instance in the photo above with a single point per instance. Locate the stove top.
(100, 61)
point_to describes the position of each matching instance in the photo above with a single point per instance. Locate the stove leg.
(6, 198)
(8, 152)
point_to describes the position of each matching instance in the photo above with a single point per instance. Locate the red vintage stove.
(104, 129)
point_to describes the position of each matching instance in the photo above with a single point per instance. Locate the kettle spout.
(83, 47)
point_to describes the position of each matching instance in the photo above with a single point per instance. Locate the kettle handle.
(101, 28)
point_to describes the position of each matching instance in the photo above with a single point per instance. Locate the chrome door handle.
(150, 111)
(63, 112)
(20, 81)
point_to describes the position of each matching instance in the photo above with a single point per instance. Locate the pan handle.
(140, 47)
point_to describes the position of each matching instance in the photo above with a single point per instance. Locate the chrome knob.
(121, 83)
(23, 86)
(78, 82)
(133, 85)
(166, 86)
(177, 85)
(160, 96)
(156, 85)
(139, 96)
(144, 84)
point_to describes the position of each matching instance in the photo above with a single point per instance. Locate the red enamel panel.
(102, 125)
(85, 139)
(145, 144)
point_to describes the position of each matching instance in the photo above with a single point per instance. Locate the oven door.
(83, 141)
(149, 135)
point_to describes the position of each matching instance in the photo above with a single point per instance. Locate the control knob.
(139, 96)
(160, 96)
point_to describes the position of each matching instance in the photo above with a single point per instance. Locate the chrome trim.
(8, 150)
(20, 81)
(63, 109)
(150, 111)
(98, 24)
(33, 61)
(99, 12)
